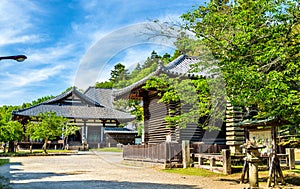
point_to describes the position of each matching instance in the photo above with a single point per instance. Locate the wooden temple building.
(92, 111)
(155, 127)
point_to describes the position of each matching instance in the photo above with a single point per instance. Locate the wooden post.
(245, 172)
(291, 157)
(226, 161)
(186, 153)
(274, 169)
(200, 161)
(212, 163)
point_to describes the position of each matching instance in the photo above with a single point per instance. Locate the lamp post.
(19, 58)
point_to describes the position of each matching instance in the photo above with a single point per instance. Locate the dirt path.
(99, 170)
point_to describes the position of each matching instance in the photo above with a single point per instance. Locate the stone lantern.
(251, 161)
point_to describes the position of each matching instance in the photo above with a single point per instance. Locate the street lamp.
(19, 58)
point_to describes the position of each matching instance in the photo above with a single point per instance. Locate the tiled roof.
(102, 96)
(181, 66)
(77, 112)
(119, 130)
(90, 109)
(261, 122)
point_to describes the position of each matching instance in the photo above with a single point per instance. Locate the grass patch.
(34, 152)
(192, 172)
(4, 161)
(53, 151)
(107, 149)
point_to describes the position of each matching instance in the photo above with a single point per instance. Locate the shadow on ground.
(91, 184)
(33, 180)
(32, 175)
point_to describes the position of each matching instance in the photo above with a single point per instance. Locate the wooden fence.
(200, 147)
(217, 162)
(165, 152)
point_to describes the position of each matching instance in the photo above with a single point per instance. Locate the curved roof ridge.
(179, 66)
(76, 92)
(175, 62)
(60, 96)
(117, 92)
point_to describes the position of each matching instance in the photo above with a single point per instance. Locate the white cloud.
(29, 77)
(17, 22)
(52, 55)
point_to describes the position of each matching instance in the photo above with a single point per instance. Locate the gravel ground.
(98, 170)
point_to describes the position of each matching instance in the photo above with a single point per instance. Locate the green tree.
(105, 84)
(49, 126)
(35, 102)
(118, 73)
(10, 131)
(256, 45)
(134, 107)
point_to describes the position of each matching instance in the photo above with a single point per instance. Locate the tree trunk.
(11, 146)
(45, 146)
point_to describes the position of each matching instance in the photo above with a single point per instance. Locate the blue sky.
(75, 42)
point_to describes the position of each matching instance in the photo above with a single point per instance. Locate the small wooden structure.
(275, 172)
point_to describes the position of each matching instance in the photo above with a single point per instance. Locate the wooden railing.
(165, 152)
(223, 160)
(200, 147)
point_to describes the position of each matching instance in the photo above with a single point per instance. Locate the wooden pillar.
(146, 103)
(101, 133)
(291, 157)
(186, 153)
(212, 163)
(86, 133)
(226, 161)
(200, 160)
(274, 145)
(83, 133)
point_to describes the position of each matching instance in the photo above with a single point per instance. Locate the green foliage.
(134, 107)
(192, 94)
(130, 106)
(120, 77)
(118, 73)
(9, 130)
(192, 172)
(256, 45)
(140, 129)
(49, 126)
(108, 150)
(186, 45)
(105, 84)
(4, 161)
(35, 102)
